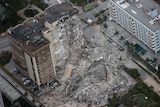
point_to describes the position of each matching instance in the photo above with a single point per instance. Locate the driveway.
(4, 44)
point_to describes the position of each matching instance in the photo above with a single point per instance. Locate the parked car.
(24, 79)
(38, 92)
(34, 88)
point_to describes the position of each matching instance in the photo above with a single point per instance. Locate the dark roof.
(29, 34)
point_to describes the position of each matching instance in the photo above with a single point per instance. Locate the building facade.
(40, 42)
(140, 18)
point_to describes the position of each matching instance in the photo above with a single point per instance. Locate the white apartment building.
(140, 17)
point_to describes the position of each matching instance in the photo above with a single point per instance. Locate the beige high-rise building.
(39, 43)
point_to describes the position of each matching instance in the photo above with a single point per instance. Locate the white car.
(28, 81)
(24, 79)
(24, 83)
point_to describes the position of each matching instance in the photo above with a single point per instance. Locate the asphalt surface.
(4, 44)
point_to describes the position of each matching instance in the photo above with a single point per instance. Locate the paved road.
(11, 81)
(4, 44)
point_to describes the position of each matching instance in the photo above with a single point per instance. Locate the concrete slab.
(67, 73)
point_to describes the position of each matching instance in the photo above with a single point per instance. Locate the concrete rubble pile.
(90, 72)
(94, 74)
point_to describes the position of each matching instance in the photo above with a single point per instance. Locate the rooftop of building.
(29, 33)
(146, 11)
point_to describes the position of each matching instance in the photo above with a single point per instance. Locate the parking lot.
(26, 82)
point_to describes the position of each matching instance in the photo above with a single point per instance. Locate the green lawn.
(132, 72)
(140, 90)
(140, 96)
(84, 19)
(90, 6)
(5, 58)
(30, 13)
(96, 14)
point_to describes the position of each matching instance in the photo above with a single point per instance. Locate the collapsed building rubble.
(94, 74)
(51, 45)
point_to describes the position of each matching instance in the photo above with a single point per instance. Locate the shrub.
(5, 58)
(30, 13)
(96, 14)
(132, 72)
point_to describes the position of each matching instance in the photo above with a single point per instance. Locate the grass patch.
(87, 20)
(140, 96)
(90, 6)
(84, 19)
(94, 4)
(96, 14)
(132, 72)
(30, 13)
(142, 88)
(87, 8)
(101, 19)
(5, 57)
